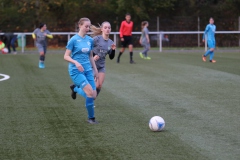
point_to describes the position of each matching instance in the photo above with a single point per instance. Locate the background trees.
(62, 15)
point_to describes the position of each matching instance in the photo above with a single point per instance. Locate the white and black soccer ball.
(156, 123)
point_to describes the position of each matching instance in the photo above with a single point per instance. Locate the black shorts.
(127, 41)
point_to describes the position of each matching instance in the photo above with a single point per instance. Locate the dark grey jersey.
(101, 48)
(144, 35)
(40, 37)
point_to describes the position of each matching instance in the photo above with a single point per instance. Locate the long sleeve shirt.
(210, 32)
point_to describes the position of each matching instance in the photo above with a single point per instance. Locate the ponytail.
(97, 30)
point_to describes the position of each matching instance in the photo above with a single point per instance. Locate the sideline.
(5, 77)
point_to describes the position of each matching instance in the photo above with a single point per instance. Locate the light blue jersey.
(210, 32)
(81, 48)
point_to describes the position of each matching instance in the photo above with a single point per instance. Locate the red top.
(126, 28)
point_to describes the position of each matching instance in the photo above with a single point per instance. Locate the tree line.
(63, 15)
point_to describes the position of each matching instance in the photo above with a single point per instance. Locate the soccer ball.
(4, 51)
(156, 123)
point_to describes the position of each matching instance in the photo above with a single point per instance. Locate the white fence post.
(22, 43)
(205, 42)
(160, 41)
(68, 36)
(115, 39)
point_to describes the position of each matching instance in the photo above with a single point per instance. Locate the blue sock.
(207, 53)
(90, 107)
(80, 91)
(211, 56)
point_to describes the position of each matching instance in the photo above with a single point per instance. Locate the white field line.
(5, 77)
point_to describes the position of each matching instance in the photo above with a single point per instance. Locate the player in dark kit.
(126, 37)
(40, 36)
(102, 47)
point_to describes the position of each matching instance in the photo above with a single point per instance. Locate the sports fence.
(158, 39)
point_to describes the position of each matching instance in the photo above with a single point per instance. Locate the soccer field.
(199, 101)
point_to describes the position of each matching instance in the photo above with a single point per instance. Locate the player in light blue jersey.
(210, 33)
(102, 47)
(82, 66)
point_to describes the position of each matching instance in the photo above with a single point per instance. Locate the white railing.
(160, 35)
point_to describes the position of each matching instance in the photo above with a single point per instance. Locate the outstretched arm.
(33, 36)
(49, 35)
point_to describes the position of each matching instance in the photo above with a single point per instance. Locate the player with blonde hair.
(82, 68)
(103, 46)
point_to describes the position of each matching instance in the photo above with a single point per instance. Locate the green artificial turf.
(199, 101)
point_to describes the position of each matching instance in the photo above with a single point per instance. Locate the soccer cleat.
(148, 58)
(40, 65)
(73, 94)
(92, 121)
(203, 58)
(213, 61)
(118, 60)
(43, 65)
(140, 54)
(132, 62)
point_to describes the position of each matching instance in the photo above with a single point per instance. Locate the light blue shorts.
(81, 79)
(211, 44)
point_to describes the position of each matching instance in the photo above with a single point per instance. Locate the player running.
(39, 35)
(144, 40)
(81, 66)
(210, 32)
(126, 37)
(103, 46)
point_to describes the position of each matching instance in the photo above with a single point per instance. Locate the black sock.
(131, 55)
(98, 91)
(119, 55)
